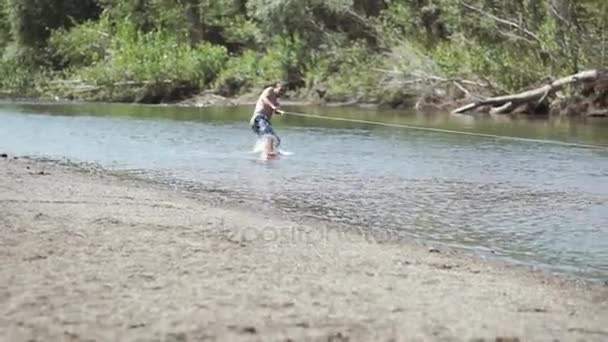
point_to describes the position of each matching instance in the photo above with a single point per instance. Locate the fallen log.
(534, 95)
(598, 113)
(507, 107)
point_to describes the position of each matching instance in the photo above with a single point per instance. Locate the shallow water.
(536, 203)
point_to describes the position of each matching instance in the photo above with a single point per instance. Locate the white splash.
(259, 146)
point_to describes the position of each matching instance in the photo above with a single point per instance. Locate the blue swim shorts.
(261, 126)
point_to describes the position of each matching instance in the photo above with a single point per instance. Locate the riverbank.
(91, 255)
(580, 108)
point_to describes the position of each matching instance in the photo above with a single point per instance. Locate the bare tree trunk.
(504, 104)
(569, 30)
(193, 15)
(603, 33)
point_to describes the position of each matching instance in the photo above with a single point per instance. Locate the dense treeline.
(376, 50)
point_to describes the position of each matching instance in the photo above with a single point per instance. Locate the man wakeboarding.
(265, 107)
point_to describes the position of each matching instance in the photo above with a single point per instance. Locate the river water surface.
(537, 203)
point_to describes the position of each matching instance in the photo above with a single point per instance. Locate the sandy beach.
(93, 256)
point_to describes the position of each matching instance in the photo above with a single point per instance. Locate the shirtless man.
(266, 106)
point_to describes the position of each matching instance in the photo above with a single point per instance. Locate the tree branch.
(503, 21)
(534, 94)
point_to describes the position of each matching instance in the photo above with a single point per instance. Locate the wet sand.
(95, 256)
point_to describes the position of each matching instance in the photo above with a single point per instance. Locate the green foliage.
(240, 74)
(312, 20)
(283, 60)
(284, 16)
(513, 43)
(240, 32)
(134, 65)
(464, 58)
(31, 21)
(83, 45)
(365, 49)
(155, 57)
(345, 72)
(14, 78)
(5, 30)
(20, 80)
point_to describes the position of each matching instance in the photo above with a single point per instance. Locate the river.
(528, 201)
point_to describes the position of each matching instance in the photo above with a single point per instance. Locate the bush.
(156, 57)
(83, 45)
(32, 21)
(240, 73)
(283, 60)
(19, 79)
(345, 73)
(157, 61)
(511, 68)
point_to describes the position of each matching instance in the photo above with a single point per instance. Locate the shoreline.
(330, 230)
(133, 252)
(209, 100)
(202, 102)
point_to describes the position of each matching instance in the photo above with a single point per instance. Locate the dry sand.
(94, 256)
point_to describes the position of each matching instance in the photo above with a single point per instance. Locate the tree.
(313, 20)
(32, 21)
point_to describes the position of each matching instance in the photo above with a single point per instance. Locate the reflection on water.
(541, 204)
